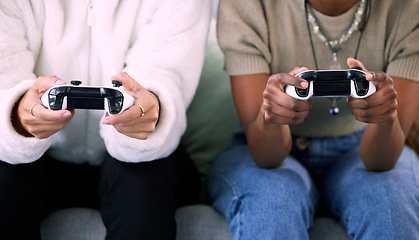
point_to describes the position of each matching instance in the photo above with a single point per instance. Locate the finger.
(377, 110)
(47, 115)
(140, 135)
(384, 118)
(43, 130)
(352, 62)
(40, 128)
(284, 109)
(131, 122)
(130, 85)
(132, 115)
(285, 116)
(297, 70)
(377, 99)
(279, 98)
(283, 79)
(282, 120)
(378, 77)
(34, 124)
(136, 128)
(44, 83)
(129, 115)
(54, 80)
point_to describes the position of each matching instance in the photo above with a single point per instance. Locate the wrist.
(15, 119)
(158, 105)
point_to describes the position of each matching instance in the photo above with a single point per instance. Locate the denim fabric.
(280, 203)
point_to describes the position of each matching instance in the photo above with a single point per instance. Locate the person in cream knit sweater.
(290, 157)
(124, 164)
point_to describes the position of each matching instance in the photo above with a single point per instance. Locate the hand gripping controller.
(113, 100)
(333, 83)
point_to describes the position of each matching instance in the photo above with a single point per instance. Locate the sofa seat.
(194, 222)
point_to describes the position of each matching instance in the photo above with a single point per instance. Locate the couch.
(195, 222)
(211, 121)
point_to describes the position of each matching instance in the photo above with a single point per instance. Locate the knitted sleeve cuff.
(407, 68)
(245, 64)
(15, 148)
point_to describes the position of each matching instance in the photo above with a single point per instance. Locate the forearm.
(269, 143)
(381, 146)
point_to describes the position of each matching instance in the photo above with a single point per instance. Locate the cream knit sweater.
(160, 43)
(270, 36)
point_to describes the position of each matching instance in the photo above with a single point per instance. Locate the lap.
(250, 196)
(58, 184)
(348, 179)
(235, 175)
(37, 188)
(351, 192)
(138, 200)
(382, 205)
(238, 170)
(175, 175)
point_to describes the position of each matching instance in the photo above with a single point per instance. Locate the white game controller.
(113, 100)
(333, 83)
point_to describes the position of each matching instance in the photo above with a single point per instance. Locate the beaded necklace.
(358, 23)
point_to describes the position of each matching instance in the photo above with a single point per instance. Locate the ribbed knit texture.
(271, 36)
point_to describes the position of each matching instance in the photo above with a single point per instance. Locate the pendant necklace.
(358, 24)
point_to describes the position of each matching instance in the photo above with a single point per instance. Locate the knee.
(8, 178)
(267, 216)
(279, 194)
(382, 202)
(384, 190)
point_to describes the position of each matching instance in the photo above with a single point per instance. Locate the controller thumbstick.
(357, 68)
(116, 83)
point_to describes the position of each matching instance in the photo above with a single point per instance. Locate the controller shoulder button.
(76, 82)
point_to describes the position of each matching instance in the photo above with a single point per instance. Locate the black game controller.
(333, 83)
(112, 99)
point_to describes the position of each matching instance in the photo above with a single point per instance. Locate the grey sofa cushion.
(73, 224)
(327, 229)
(204, 223)
(195, 222)
(201, 222)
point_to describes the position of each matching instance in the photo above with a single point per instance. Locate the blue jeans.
(280, 203)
